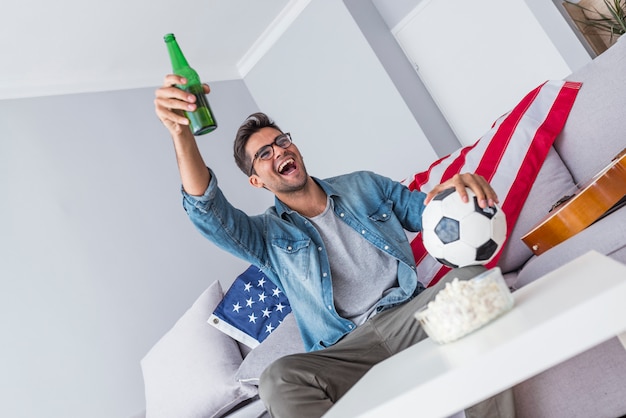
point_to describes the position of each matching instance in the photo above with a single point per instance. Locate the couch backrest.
(595, 130)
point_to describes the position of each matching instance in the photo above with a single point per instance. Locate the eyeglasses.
(267, 151)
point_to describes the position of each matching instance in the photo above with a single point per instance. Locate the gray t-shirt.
(361, 273)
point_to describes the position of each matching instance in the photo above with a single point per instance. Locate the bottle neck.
(176, 55)
(181, 67)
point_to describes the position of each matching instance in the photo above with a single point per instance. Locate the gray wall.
(413, 91)
(97, 257)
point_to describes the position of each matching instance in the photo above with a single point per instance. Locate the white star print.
(255, 309)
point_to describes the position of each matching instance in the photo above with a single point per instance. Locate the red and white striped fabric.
(509, 156)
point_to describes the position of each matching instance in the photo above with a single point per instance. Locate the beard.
(282, 185)
(296, 185)
(293, 188)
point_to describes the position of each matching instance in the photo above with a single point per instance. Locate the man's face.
(283, 172)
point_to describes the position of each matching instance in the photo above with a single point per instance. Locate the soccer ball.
(461, 234)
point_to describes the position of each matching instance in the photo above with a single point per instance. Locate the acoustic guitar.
(600, 196)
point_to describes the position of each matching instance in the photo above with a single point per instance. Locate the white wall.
(549, 14)
(486, 57)
(336, 99)
(478, 67)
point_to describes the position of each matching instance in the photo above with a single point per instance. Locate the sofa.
(592, 384)
(198, 370)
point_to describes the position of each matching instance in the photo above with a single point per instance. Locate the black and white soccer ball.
(461, 234)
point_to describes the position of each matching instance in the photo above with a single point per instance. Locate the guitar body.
(585, 207)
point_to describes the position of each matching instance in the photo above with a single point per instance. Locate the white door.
(478, 58)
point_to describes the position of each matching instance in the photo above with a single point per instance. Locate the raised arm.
(169, 103)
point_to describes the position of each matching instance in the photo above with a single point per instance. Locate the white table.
(554, 318)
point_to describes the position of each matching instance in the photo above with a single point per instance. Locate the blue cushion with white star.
(251, 309)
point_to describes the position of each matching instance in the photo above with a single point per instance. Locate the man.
(336, 247)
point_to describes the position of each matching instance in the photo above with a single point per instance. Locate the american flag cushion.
(251, 309)
(509, 156)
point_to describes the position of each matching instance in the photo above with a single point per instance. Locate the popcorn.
(463, 306)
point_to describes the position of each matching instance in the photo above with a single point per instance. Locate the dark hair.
(249, 127)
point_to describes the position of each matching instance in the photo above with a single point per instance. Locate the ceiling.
(74, 46)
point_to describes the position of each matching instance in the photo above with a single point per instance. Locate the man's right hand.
(170, 102)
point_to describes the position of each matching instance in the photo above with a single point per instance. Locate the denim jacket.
(290, 251)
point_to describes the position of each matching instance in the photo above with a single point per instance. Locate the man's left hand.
(484, 192)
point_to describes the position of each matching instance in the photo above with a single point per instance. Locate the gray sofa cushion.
(594, 132)
(605, 236)
(189, 371)
(553, 181)
(284, 340)
(588, 385)
(592, 384)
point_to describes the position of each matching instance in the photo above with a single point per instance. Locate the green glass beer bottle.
(201, 121)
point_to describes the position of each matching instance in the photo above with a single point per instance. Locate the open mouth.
(287, 166)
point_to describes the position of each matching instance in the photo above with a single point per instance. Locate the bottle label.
(201, 120)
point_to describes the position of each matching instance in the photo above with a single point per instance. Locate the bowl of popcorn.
(463, 306)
